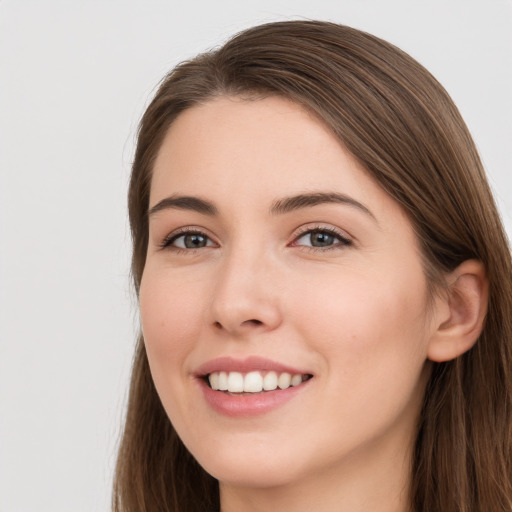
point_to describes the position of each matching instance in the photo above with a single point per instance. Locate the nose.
(245, 296)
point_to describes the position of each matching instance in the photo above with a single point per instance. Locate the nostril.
(255, 322)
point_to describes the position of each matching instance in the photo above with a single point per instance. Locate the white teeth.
(270, 381)
(284, 380)
(223, 381)
(214, 380)
(235, 382)
(296, 380)
(252, 382)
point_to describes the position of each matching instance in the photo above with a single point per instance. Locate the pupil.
(320, 239)
(194, 241)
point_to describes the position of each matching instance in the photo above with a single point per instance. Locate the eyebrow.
(289, 204)
(279, 206)
(185, 203)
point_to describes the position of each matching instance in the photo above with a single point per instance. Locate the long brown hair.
(393, 116)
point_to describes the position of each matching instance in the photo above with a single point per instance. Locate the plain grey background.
(74, 79)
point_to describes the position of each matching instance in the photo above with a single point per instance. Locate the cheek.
(368, 330)
(170, 320)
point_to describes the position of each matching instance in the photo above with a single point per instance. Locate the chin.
(250, 475)
(266, 468)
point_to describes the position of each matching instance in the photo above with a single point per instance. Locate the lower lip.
(248, 404)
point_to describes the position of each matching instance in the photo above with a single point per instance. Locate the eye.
(322, 238)
(187, 240)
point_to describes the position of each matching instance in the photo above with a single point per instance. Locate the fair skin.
(330, 286)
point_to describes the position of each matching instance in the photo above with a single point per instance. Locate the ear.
(460, 312)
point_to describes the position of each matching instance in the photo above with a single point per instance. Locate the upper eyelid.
(183, 231)
(309, 227)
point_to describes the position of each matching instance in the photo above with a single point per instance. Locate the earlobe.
(464, 306)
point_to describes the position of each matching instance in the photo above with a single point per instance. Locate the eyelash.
(170, 239)
(343, 241)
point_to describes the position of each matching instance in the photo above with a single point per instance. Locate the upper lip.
(248, 364)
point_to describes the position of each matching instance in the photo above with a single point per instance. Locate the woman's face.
(274, 257)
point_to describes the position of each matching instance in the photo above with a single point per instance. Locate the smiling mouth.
(254, 382)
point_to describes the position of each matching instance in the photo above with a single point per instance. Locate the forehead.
(237, 150)
(249, 135)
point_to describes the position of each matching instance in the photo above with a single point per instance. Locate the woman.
(325, 287)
